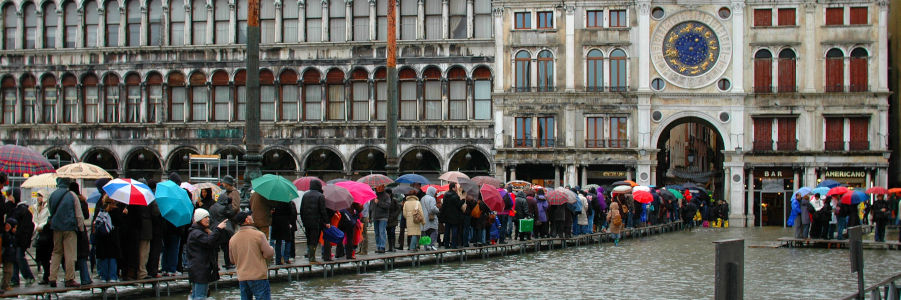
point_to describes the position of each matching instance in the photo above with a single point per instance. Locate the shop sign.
(845, 174)
(774, 173)
(607, 174)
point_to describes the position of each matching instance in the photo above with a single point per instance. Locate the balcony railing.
(618, 89)
(763, 145)
(858, 88)
(534, 143)
(787, 88)
(859, 145)
(533, 89)
(787, 145)
(835, 145)
(523, 143)
(617, 143)
(766, 89)
(834, 88)
(589, 143)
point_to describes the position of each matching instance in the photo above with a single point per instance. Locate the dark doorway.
(691, 151)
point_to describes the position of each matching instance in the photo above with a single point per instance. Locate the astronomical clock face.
(691, 49)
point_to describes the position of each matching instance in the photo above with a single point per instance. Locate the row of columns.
(572, 174)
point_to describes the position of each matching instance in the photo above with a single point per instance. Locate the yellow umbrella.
(46, 180)
(82, 171)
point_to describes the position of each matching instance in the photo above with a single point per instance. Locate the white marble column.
(373, 23)
(882, 68)
(101, 31)
(420, 19)
(512, 173)
(123, 25)
(556, 177)
(60, 28)
(165, 26)
(189, 25)
(500, 60)
(145, 23)
(278, 23)
(749, 200)
(736, 195)
(738, 47)
(810, 55)
(20, 30)
(79, 36)
(584, 176)
(348, 23)
(644, 45)
(444, 19)
(302, 26)
(570, 49)
(470, 17)
(39, 34)
(325, 23)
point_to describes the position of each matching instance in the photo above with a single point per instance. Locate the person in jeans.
(379, 210)
(249, 251)
(201, 253)
(24, 233)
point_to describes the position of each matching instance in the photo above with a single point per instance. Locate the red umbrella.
(492, 197)
(877, 190)
(440, 188)
(303, 183)
(375, 180)
(894, 191)
(480, 180)
(642, 197)
(555, 197)
(18, 160)
(361, 192)
(839, 190)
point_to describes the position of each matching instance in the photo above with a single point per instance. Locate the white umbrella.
(46, 180)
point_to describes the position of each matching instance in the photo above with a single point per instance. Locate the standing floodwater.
(668, 266)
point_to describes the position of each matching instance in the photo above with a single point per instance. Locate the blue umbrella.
(174, 203)
(94, 197)
(829, 183)
(796, 205)
(822, 191)
(859, 197)
(412, 178)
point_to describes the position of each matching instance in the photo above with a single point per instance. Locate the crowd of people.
(822, 216)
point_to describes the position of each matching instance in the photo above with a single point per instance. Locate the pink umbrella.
(361, 192)
(492, 197)
(480, 180)
(303, 183)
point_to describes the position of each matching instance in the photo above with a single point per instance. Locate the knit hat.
(199, 214)
(12, 221)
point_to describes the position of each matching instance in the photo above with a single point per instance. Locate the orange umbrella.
(632, 183)
(894, 191)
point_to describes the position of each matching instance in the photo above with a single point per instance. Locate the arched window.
(481, 93)
(111, 99)
(787, 81)
(31, 25)
(70, 11)
(763, 71)
(240, 95)
(70, 98)
(595, 68)
(457, 91)
(91, 23)
(8, 115)
(290, 94)
(133, 23)
(312, 95)
(290, 24)
(155, 96)
(50, 21)
(10, 21)
(361, 21)
(220, 17)
(48, 103)
(30, 97)
(198, 22)
(858, 72)
(334, 80)
(835, 70)
(618, 75)
(360, 93)
(133, 103)
(545, 71)
(482, 26)
(457, 19)
(523, 69)
(221, 96)
(178, 96)
(112, 23)
(267, 96)
(381, 94)
(336, 27)
(176, 23)
(431, 93)
(199, 97)
(408, 98)
(91, 98)
(155, 23)
(313, 10)
(267, 22)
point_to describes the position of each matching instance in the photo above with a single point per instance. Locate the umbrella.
(677, 187)
(519, 184)
(854, 198)
(622, 182)
(622, 189)
(877, 190)
(303, 183)
(337, 180)
(894, 191)
(361, 192)
(188, 186)
(469, 187)
(129, 191)
(215, 189)
(537, 187)
(690, 186)
(571, 196)
(820, 190)
(439, 188)
(402, 189)
(94, 197)
(829, 183)
(82, 171)
(336, 197)
(452, 176)
(676, 193)
(838, 190)
(492, 197)
(642, 197)
(274, 187)
(588, 187)
(412, 178)
(18, 160)
(374, 180)
(556, 197)
(641, 188)
(46, 180)
(480, 180)
(174, 203)
(666, 194)
(631, 183)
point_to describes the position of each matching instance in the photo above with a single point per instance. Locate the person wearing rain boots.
(314, 217)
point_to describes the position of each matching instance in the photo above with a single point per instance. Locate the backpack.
(617, 220)
(103, 225)
(575, 207)
(476, 212)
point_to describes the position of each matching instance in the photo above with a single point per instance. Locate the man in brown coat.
(262, 212)
(249, 251)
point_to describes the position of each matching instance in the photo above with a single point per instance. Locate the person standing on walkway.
(379, 210)
(615, 219)
(881, 216)
(430, 214)
(201, 254)
(249, 252)
(44, 241)
(24, 232)
(413, 214)
(262, 209)
(393, 220)
(9, 253)
(63, 223)
(284, 221)
(314, 217)
(453, 216)
(107, 240)
(224, 209)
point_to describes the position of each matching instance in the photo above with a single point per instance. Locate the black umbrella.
(402, 189)
(690, 185)
(469, 187)
(676, 187)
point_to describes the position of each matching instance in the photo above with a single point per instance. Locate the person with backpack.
(542, 215)
(413, 214)
(107, 244)
(615, 219)
(24, 232)
(522, 213)
(348, 224)
(581, 221)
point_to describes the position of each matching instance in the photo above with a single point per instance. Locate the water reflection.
(669, 266)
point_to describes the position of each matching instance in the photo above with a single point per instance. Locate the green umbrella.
(275, 188)
(676, 193)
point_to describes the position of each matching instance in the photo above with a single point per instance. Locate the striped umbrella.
(556, 197)
(17, 160)
(374, 180)
(129, 191)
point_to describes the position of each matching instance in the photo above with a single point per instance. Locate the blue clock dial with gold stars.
(691, 48)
